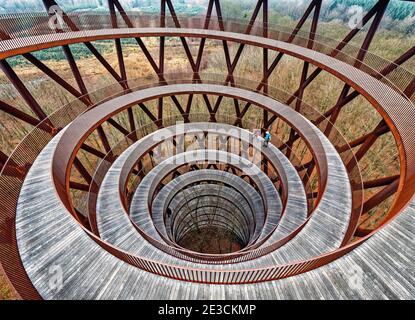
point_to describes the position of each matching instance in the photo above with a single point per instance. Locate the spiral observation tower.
(162, 187)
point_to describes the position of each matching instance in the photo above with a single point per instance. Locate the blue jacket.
(267, 137)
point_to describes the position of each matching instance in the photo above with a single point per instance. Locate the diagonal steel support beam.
(380, 129)
(316, 6)
(161, 59)
(104, 139)
(77, 74)
(410, 89)
(120, 128)
(75, 71)
(381, 182)
(55, 77)
(189, 55)
(228, 57)
(381, 196)
(146, 52)
(10, 168)
(238, 54)
(139, 41)
(3, 157)
(25, 117)
(21, 88)
(49, 72)
(82, 170)
(118, 46)
(121, 80)
(379, 6)
(183, 39)
(79, 186)
(200, 52)
(147, 112)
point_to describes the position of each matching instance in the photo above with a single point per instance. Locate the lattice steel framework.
(21, 35)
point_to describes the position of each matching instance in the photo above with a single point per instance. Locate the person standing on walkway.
(267, 138)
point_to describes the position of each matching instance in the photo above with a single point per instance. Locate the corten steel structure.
(114, 212)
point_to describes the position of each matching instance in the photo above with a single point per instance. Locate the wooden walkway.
(89, 272)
